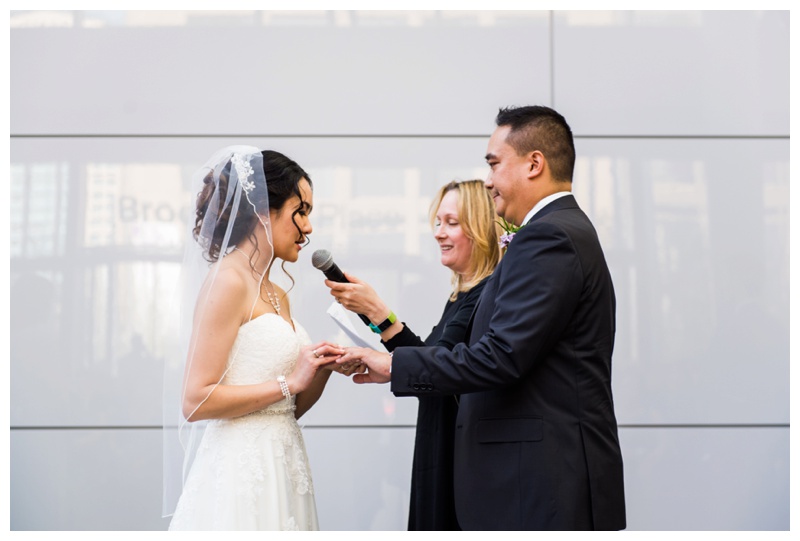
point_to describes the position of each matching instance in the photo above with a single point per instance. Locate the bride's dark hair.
(283, 182)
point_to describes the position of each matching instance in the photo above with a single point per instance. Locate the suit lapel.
(488, 287)
(566, 202)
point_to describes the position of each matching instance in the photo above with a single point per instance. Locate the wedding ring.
(315, 354)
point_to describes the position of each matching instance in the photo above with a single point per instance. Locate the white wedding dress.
(252, 472)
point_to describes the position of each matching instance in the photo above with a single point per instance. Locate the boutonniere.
(510, 230)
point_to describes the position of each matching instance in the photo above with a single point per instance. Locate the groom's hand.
(379, 365)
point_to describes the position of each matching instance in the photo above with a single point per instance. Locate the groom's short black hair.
(536, 127)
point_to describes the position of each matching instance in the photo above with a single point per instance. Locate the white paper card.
(344, 320)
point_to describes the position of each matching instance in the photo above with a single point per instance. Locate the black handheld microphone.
(323, 260)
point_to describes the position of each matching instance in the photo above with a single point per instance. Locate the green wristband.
(385, 324)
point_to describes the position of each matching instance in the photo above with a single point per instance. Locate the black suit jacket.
(536, 437)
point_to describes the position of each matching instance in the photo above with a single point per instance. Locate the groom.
(536, 436)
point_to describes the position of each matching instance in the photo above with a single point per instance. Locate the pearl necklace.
(271, 295)
(273, 300)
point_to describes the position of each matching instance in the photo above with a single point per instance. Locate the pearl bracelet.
(285, 388)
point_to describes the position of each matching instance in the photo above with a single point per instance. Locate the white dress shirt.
(543, 203)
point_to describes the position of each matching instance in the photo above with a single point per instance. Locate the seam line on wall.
(365, 136)
(159, 427)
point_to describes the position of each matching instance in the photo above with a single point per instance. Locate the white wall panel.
(673, 73)
(698, 245)
(91, 283)
(355, 73)
(706, 478)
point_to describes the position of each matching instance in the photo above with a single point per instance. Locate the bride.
(250, 369)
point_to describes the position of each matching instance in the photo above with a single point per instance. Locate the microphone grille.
(320, 259)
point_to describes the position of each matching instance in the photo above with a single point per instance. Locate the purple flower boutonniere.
(510, 230)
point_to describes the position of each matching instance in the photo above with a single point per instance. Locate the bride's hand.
(310, 360)
(347, 369)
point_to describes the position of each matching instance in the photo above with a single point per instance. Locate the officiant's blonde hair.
(479, 221)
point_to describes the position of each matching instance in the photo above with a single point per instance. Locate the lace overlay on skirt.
(252, 472)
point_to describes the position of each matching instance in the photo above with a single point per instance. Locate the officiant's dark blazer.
(536, 435)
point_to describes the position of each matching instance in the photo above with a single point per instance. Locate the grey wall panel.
(242, 77)
(692, 211)
(675, 479)
(86, 480)
(707, 478)
(111, 479)
(673, 73)
(362, 477)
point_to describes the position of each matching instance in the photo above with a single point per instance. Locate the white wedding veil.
(232, 202)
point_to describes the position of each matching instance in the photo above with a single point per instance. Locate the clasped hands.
(364, 364)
